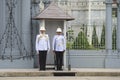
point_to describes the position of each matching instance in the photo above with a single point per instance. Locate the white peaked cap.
(59, 30)
(42, 28)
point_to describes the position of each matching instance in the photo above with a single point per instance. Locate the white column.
(26, 28)
(65, 39)
(108, 28)
(118, 26)
(42, 23)
(89, 28)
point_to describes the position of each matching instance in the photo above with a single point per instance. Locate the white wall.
(93, 59)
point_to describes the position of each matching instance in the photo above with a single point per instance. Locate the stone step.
(73, 72)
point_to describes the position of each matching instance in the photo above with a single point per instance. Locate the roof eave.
(67, 19)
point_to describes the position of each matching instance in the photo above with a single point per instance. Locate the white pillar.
(89, 28)
(118, 26)
(26, 28)
(108, 28)
(42, 23)
(65, 39)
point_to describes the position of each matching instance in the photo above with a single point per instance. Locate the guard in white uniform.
(59, 46)
(42, 47)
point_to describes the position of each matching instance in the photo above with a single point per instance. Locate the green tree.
(70, 35)
(70, 38)
(102, 42)
(114, 38)
(95, 42)
(80, 42)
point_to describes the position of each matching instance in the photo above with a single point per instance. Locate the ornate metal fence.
(86, 34)
(87, 31)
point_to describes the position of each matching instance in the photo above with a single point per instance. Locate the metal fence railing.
(97, 38)
(87, 31)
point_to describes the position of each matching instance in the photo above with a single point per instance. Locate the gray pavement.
(59, 78)
(72, 70)
(49, 73)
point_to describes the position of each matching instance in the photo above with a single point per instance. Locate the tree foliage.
(114, 38)
(70, 35)
(102, 42)
(80, 42)
(95, 42)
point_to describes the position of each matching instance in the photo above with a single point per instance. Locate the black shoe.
(59, 69)
(42, 69)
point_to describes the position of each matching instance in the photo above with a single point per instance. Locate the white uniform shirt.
(42, 42)
(59, 43)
